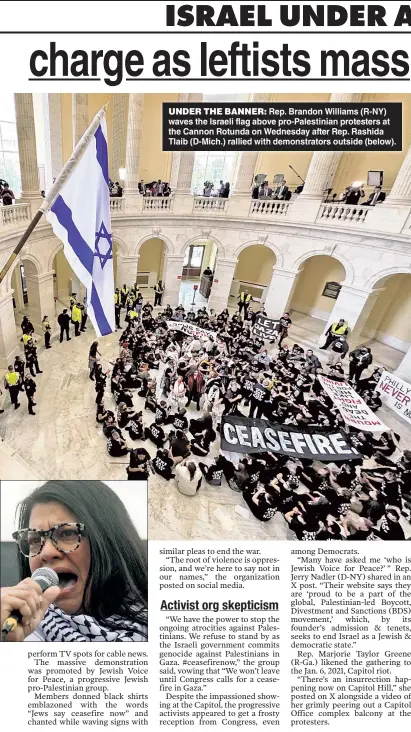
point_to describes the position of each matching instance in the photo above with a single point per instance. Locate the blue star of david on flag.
(102, 234)
(85, 229)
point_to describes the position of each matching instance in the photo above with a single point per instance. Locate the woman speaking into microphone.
(82, 531)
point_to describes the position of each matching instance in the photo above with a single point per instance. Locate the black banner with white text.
(244, 435)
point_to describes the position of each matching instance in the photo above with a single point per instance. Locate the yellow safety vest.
(116, 298)
(341, 330)
(125, 290)
(26, 338)
(76, 315)
(12, 378)
(132, 314)
(245, 298)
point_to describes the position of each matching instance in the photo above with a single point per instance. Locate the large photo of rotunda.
(205, 247)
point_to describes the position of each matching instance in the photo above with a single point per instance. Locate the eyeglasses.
(65, 537)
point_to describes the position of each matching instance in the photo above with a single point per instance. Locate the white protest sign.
(396, 394)
(351, 406)
(190, 329)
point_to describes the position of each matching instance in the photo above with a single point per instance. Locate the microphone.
(45, 578)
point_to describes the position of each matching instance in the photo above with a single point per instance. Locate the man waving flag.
(78, 208)
(80, 216)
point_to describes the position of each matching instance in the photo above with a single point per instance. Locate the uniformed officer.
(158, 293)
(76, 318)
(124, 293)
(12, 383)
(30, 388)
(117, 307)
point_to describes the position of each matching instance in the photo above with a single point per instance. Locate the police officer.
(30, 388)
(334, 332)
(158, 293)
(76, 318)
(73, 301)
(131, 315)
(244, 302)
(117, 307)
(124, 293)
(19, 365)
(83, 309)
(45, 324)
(64, 323)
(12, 383)
(31, 358)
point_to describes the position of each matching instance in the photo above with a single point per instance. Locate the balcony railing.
(157, 203)
(269, 208)
(14, 215)
(342, 213)
(208, 203)
(117, 205)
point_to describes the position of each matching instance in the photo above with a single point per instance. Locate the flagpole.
(55, 189)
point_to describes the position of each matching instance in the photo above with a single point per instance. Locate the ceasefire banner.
(266, 328)
(396, 394)
(190, 329)
(351, 406)
(245, 435)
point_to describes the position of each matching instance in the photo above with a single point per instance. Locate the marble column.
(9, 347)
(320, 174)
(392, 215)
(400, 194)
(26, 137)
(79, 116)
(223, 278)
(40, 291)
(404, 369)
(172, 275)
(280, 291)
(127, 267)
(183, 203)
(53, 136)
(244, 172)
(119, 138)
(175, 164)
(134, 201)
(354, 305)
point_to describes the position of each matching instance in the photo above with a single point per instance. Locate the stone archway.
(316, 290)
(387, 325)
(253, 271)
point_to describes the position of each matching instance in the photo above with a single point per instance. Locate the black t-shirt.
(214, 475)
(285, 322)
(180, 423)
(135, 461)
(260, 393)
(390, 530)
(162, 464)
(156, 432)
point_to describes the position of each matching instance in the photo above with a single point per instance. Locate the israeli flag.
(80, 217)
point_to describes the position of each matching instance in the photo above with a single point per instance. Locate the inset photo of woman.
(73, 561)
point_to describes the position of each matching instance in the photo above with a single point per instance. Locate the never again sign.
(240, 434)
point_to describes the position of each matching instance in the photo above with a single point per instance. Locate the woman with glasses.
(82, 531)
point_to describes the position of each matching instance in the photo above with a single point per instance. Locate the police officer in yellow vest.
(76, 318)
(334, 332)
(117, 307)
(131, 315)
(12, 384)
(244, 302)
(124, 292)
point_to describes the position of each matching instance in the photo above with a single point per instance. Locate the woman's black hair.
(117, 580)
(191, 467)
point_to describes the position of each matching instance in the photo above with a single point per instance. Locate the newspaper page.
(205, 365)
